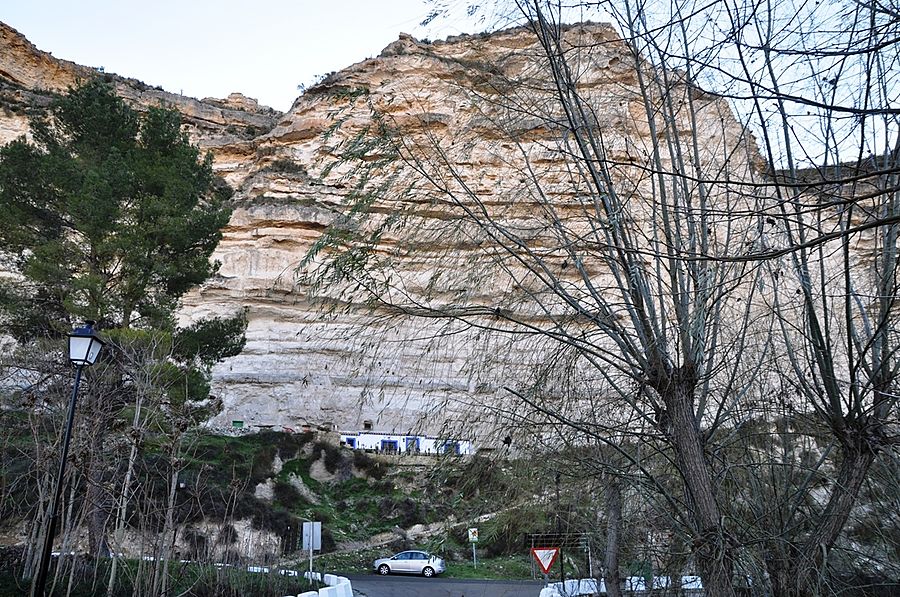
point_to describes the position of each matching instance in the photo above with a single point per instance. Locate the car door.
(400, 562)
(417, 562)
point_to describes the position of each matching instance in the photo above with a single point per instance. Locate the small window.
(237, 424)
(351, 442)
(367, 425)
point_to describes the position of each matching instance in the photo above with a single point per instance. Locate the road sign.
(473, 535)
(312, 535)
(545, 556)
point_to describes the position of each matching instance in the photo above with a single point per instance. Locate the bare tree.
(642, 231)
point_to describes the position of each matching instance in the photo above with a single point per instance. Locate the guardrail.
(633, 585)
(338, 586)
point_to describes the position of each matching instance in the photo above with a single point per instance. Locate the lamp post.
(84, 348)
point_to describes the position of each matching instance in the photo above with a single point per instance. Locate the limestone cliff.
(458, 102)
(462, 100)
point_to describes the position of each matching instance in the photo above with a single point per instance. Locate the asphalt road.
(417, 586)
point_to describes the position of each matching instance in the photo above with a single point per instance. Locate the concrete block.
(345, 589)
(345, 586)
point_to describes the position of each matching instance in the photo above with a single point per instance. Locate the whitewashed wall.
(403, 444)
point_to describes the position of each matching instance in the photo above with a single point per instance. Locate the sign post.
(312, 539)
(546, 557)
(473, 539)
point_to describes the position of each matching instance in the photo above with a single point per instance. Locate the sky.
(265, 49)
(210, 48)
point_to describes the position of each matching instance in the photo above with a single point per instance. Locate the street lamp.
(84, 348)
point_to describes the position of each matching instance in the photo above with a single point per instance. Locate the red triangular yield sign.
(545, 557)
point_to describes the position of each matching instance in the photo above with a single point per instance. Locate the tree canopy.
(107, 215)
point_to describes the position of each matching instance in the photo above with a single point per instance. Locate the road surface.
(417, 586)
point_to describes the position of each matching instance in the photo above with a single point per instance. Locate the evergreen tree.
(105, 215)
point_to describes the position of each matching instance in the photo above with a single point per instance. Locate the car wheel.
(383, 570)
(428, 572)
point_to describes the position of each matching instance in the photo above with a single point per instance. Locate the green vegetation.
(198, 580)
(358, 498)
(352, 508)
(512, 567)
(504, 567)
(287, 166)
(110, 216)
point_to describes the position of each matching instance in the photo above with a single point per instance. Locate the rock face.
(444, 101)
(333, 363)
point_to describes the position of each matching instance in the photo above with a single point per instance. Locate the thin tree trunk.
(123, 499)
(613, 532)
(808, 563)
(98, 513)
(96, 497)
(71, 523)
(168, 533)
(37, 530)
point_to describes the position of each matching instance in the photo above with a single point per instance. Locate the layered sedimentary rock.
(466, 102)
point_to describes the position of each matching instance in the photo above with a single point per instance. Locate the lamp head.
(84, 345)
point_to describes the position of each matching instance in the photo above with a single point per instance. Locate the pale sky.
(210, 48)
(265, 49)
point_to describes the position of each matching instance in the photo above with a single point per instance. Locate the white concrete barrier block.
(345, 589)
(549, 592)
(328, 592)
(309, 594)
(330, 580)
(578, 587)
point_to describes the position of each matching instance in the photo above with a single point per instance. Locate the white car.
(410, 562)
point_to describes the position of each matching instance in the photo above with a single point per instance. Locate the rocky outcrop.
(29, 78)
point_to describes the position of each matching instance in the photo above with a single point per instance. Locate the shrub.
(364, 463)
(332, 454)
(288, 496)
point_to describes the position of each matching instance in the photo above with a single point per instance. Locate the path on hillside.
(414, 533)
